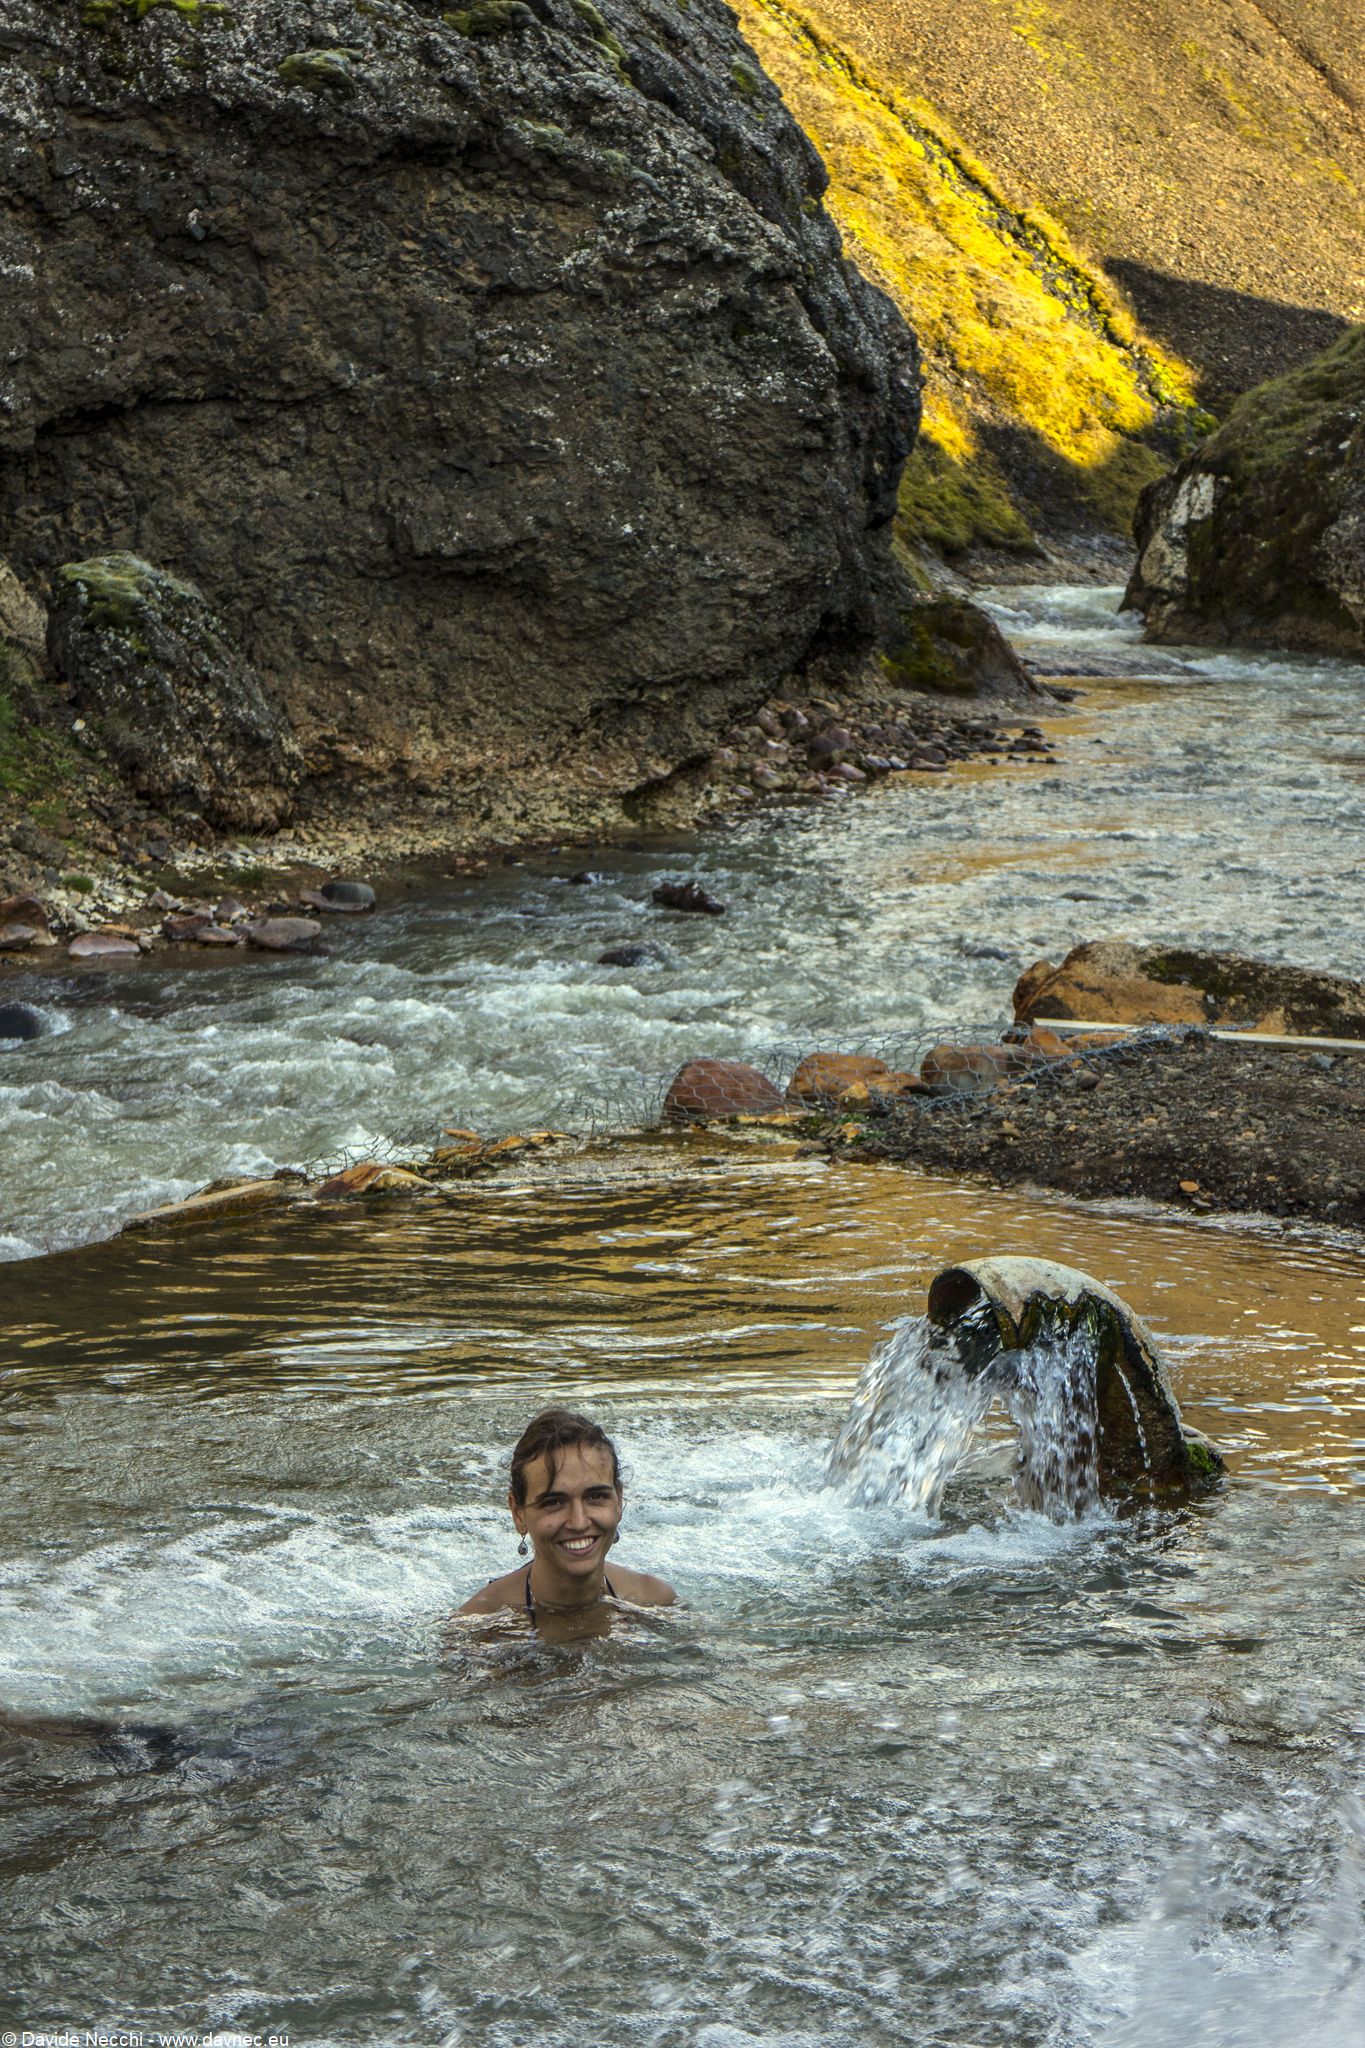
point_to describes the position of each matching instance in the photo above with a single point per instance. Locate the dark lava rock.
(1260, 537)
(641, 954)
(586, 878)
(688, 896)
(174, 701)
(951, 647)
(18, 1023)
(496, 373)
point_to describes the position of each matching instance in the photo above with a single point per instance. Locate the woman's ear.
(514, 1510)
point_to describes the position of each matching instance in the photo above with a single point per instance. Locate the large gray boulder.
(495, 373)
(171, 699)
(1260, 536)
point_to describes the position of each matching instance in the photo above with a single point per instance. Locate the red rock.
(284, 934)
(217, 935)
(823, 1077)
(706, 1089)
(102, 946)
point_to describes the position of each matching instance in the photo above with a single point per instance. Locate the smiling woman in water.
(566, 1501)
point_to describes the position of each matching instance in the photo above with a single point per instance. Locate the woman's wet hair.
(552, 1431)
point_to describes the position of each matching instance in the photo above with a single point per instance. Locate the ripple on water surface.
(879, 1780)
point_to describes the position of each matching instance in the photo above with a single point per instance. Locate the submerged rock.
(639, 954)
(1260, 536)
(688, 896)
(339, 896)
(1110, 981)
(176, 704)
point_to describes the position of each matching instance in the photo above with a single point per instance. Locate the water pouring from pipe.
(1078, 1372)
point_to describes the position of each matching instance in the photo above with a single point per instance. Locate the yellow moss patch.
(1016, 327)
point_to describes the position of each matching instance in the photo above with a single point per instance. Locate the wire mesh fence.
(889, 1075)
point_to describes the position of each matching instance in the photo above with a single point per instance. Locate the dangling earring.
(616, 1535)
(523, 1547)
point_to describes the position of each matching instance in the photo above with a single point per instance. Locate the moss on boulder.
(177, 706)
(1260, 536)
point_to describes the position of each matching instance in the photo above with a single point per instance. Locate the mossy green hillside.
(1019, 330)
(1271, 424)
(40, 770)
(105, 13)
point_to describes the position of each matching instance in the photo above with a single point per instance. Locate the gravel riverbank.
(1177, 1117)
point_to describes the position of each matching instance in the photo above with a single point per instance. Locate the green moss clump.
(103, 13)
(491, 18)
(746, 80)
(953, 506)
(320, 70)
(1204, 1462)
(36, 764)
(601, 34)
(121, 590)
(1270, 425)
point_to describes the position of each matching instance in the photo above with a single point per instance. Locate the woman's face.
(572, 1517)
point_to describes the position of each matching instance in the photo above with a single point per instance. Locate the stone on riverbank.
(1110, 981)
(373, 1177)
(284, 934)
(103, 946)
(950, 647)
(823, 1078)
(1259, 538)
(338, 897)
(708, 1090)
(176, 704)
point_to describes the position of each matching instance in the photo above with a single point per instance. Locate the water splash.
(1049, 1392)
(913, 1413)
(923, 1395)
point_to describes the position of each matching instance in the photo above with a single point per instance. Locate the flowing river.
(968, 1779)
(1219, 799)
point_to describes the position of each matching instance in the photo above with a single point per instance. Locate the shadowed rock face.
(495, 375)
(1260, 537)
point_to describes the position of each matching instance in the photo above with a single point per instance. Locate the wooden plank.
(1230, 1037)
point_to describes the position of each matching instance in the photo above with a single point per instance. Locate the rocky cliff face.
(1260, 537)
(494, 374)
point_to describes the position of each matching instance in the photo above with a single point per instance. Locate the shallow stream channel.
(961, 1779)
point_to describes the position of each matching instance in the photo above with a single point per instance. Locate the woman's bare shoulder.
(642, 1589)
(508, 1591)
